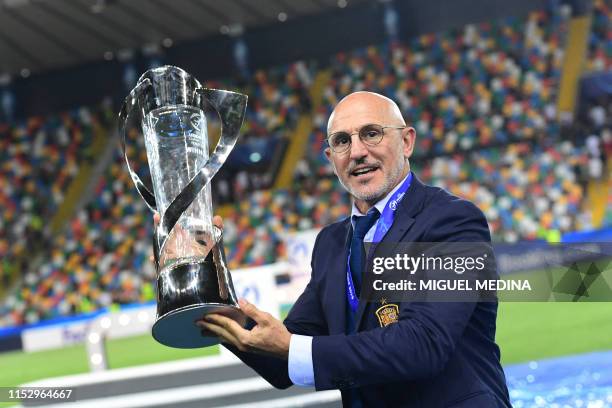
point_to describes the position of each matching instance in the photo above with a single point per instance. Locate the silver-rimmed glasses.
(370, 134)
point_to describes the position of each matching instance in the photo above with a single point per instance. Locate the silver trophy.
(167, 107)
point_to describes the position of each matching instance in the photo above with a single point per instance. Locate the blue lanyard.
(382, 227)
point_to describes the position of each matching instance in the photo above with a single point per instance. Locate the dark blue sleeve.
(305, 317)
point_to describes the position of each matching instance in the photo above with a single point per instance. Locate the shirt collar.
(380, 204)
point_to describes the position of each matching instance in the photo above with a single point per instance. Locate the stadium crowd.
(482, 85)
(39, 158)
(482, 99)
(277, 97)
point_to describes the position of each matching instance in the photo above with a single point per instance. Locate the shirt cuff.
(301, 371)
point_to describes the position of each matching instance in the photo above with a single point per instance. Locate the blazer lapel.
(337, 310)
(403, 220)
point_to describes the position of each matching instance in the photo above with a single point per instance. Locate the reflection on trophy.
(167, 107)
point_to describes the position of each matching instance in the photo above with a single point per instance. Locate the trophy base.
(178, 329)
(187, 291)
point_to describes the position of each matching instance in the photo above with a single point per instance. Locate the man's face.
(368, 173)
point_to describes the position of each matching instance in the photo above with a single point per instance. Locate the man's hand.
(269, 336)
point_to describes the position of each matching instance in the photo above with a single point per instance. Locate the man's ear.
(408, 139)
(328, 154)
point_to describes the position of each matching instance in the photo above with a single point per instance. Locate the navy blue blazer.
(437, 355)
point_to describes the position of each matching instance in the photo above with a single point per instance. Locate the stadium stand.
(277, 96)
(40, 156)
(482, 99)
(526, 190)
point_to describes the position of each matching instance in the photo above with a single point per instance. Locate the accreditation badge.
(387, 314)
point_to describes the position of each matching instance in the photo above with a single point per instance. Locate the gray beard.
(372, 197)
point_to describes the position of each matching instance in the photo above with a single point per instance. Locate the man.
(428, 354)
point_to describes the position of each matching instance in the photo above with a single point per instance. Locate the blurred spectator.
(241, 57)
(8, 104)
(600, 40)
(129, 76)
(391, 22)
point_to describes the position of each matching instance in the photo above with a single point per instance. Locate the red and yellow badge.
(387, 314)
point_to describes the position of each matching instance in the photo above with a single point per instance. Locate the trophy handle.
(132, 102)
(125, 115)
(231, 107)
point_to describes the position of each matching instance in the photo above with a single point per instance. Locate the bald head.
(369, 168)
(364, 107)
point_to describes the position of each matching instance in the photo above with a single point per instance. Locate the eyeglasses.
(371, 135)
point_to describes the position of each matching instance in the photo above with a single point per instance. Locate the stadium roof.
(39, 35)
